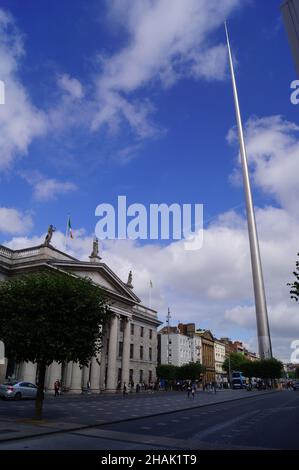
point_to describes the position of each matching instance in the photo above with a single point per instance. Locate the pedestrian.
(193, 392)
(215, 387)
(56, 388)
(124, 389)
(188, 391)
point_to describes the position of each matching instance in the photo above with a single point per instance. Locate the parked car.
(18, 390)
(296, 385)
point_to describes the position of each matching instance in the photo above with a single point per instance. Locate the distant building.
(220, 355)
(207, 354)
(290, 13)
(252, 356)
(176, 348)
(238, 347)
(290, 367)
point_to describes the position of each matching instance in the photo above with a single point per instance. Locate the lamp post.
(168, 317)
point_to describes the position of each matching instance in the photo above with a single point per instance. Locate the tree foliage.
(269, 368)
(265, 369)
(51, 317)
(167, 371)
(233, 362)
(189, 371)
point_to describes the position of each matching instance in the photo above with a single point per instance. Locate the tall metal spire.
(263, 331)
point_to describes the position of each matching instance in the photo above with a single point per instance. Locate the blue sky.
(134, 98)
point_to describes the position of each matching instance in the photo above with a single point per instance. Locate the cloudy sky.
(133, 97)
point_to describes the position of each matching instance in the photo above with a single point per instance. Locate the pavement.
(82, 421)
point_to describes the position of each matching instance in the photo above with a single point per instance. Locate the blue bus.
(238, 380)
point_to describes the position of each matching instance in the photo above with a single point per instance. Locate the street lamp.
(168, 317)
(229, 370)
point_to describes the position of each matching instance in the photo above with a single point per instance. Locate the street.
(248, 420)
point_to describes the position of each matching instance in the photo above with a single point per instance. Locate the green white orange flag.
(69, 228)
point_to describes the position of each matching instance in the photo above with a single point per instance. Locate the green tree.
(233, 362)
(167, 371)
(190, 371)
(269, 368)
(51, 317)
(249, 368)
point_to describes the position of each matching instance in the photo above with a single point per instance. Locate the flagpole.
(263, 330)
(66, 230)
(150, 295)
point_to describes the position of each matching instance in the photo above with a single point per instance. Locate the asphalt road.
(261, 422)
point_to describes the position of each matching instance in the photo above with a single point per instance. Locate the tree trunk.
(40, 390)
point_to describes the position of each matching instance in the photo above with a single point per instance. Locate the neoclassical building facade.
(129, 352)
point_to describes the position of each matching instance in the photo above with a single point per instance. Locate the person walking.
(56, 388)
(193, 391)
(188, 391)
(124, 389)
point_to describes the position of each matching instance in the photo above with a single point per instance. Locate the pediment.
(103, 276)
(97, 278)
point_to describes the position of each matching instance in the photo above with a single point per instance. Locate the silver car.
(18, 390)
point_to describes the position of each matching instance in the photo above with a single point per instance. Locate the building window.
(119, 376)
(141, 331)
(150, 355)
(131, 351)
(132, 328)
(120, 348)
(150, 376)
(131, 375)
(141, 376)
(141, 352)
(122, 324)
(150, 334)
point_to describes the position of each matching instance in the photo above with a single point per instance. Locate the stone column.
(53, 374)
(68, 375)
(76, 382)
(3, 368)
(85, 376)
(111, 373)
(95, 374)
(126, 352)
(29, 372)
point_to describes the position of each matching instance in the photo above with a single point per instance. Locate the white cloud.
(273, 153)
(167, 39)
(46, 189)
(210, 64)
(71, 85)
(20, 120)
(14, 222)
(50, 188)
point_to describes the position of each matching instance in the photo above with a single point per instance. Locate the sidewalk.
(70, 413)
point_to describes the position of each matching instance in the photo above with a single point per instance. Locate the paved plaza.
(146, 420)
